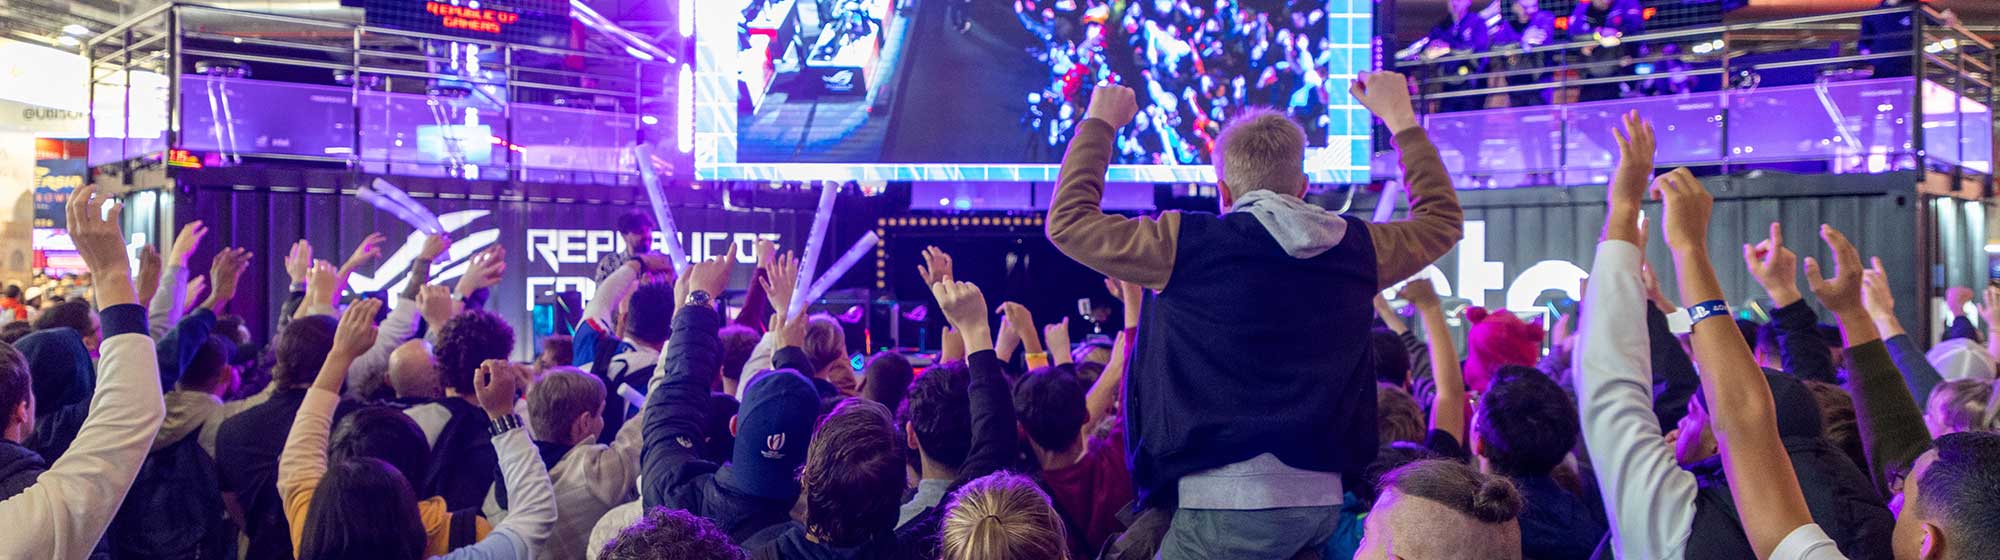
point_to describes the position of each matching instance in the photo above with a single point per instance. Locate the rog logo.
(393, 275)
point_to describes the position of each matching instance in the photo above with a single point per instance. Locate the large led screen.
(986, 90)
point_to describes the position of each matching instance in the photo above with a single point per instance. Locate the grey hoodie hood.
(1303, 229)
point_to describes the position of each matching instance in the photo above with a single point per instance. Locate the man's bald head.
(1443, 510)
(413, 373)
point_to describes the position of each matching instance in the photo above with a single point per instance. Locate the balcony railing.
(1800, 94)
(221, 87)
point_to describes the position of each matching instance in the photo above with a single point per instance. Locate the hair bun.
(1497, 501)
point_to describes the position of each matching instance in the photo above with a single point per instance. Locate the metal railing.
(228, 86)
(1735, 95)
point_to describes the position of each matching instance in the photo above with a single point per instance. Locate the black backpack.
(174, 509)
(463, 461)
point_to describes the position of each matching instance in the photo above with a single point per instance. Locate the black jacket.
(676, 476)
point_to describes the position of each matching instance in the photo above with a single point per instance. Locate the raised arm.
(531, 495)
(1918, 373)
(1436, 222)
(1892, 427)
(1131, 249)
(992, 407)
(64, 514)
(1448, 411)
(303, 461)
(676, 405)
(1649, 498)
(1745, 420)
(1776, 269)
(1104, 394)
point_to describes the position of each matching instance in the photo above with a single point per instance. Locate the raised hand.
(149, 273)
(1022, 322)
(357, 329)
(498, 385)
(1057, 334)
(1774, 267)
(1687, 204)
(298, 263)
(1422, 294)
(226, 269)
(1628, 183)
(1387, 95)
(196, 286)
(711, 276)
(1875, 295)
(437, 305)
(369, 250)
(484, 271)
(965, 307)
(781, 278)
(186, 242)
(1842, 293)
(434, 246)
(1114, 104)
(936, 267)
(101, 244)
(1956, 297)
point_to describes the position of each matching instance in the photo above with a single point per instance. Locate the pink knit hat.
(1497, 340)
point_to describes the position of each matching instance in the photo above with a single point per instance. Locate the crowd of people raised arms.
(1311, 422)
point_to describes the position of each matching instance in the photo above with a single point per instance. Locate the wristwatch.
(504, 423)
(697, 297)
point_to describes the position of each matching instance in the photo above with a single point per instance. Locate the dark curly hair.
(301, 350)
(1049, 404)
(853, 476)
(671, 533)
(1526, 422)
(467, 340)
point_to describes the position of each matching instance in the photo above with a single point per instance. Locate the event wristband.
(1704, 310)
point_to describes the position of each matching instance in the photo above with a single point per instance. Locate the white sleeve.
(1808, 542)
(369, 370)
(604, 304)
(1649, 498)
(66, 511)
(169, 302)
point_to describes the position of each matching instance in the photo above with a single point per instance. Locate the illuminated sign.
(540, 22)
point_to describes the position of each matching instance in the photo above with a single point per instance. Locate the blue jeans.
(1274, 534)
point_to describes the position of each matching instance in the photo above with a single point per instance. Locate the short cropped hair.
(1049, 404)
(825, 342)
(1398, 416)
(940, 413)
(74, 314)
(853, 476)
(1959, 493)
(672, 534)
(1959, 406)
(555, 402)
(210, 362)
(468, 340)
(1261, 149)
(385, 433)
(1392, 361)
(888, 377)
(301, 350)
(650, 316)
(1001, 516)
(16, 384)
(1527, 424)
(738, 342)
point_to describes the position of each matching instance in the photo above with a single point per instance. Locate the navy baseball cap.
(773, 429)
